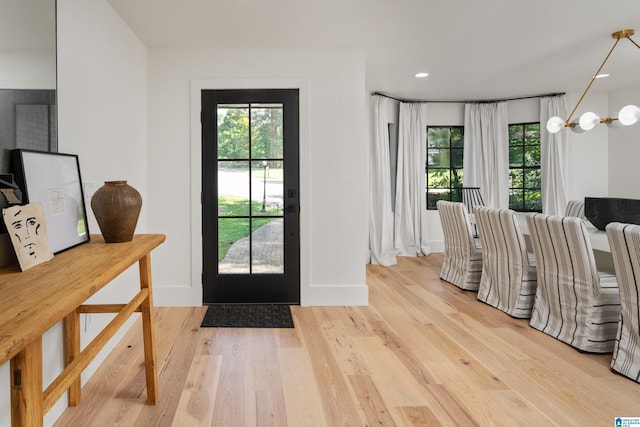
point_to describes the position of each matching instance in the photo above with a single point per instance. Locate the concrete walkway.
(267, 251)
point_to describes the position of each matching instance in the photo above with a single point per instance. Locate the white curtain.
(381, 245)
(486, 151)
(553, 157)
(410, 207)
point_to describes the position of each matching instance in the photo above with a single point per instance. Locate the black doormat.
(247, 316)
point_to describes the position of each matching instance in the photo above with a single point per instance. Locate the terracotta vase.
(116, 206)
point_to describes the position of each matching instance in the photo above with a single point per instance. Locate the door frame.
(197, 85)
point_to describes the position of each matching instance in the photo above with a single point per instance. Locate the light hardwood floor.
(423, 353)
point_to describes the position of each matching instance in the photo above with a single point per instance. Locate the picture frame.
(54, 180)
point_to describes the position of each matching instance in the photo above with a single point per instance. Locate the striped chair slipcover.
(508, 273)
(624, 240)
(574, 302)
(462, 265)
(575, 208)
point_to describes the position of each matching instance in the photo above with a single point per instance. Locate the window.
(445, 147)
(525, 188)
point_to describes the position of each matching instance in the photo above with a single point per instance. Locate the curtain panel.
(553, 157)
(381, 246)
(410, 207)
(486, 151)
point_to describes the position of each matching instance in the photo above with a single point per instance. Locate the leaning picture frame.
(54, 180)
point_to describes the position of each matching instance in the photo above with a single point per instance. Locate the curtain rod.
(468, 102)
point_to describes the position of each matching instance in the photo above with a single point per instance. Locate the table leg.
(26, 385)
(72, 350)
(148, 332)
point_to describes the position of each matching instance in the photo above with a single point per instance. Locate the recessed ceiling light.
(599, 76)
(421, 75)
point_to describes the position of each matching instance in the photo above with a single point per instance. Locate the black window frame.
(530, 170)
(454, 168)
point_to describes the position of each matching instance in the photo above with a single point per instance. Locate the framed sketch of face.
(27, 229)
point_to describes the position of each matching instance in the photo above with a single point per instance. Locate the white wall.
(624, 149)
(333, 163)
(102, 110)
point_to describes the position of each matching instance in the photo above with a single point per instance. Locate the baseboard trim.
(437, 246)
(176, 296)
(334, 295)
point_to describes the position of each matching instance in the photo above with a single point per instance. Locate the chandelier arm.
(591, 82)
(631, 40)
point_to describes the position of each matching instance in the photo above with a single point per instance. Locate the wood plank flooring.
(423, 353)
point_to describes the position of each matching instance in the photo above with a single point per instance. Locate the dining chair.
(624, 240)
(575, 208)
(472, 197)
(462, 264)
(574, 302)
(509, 274)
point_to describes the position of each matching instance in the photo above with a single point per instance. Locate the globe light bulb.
(629, 114)
(554, 124)
(588, 120)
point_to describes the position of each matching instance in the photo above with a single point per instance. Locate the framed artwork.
(53, 179)
(28, 232)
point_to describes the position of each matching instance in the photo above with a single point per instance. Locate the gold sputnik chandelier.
(627, 115)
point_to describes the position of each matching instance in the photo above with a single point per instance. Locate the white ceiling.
(472, 49)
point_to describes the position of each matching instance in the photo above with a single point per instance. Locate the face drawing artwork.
(28, 234)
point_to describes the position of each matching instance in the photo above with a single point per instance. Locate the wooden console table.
(33, 301)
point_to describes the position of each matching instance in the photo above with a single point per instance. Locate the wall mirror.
(28, 116)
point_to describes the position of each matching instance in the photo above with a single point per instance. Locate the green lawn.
(233, 229)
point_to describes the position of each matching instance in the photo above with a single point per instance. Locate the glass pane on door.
(233, 132)
(233, 188)
(267, 251)
(268, 187)
(266, 131)
(233, 248)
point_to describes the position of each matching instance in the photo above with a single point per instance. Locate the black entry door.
(250, 197)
